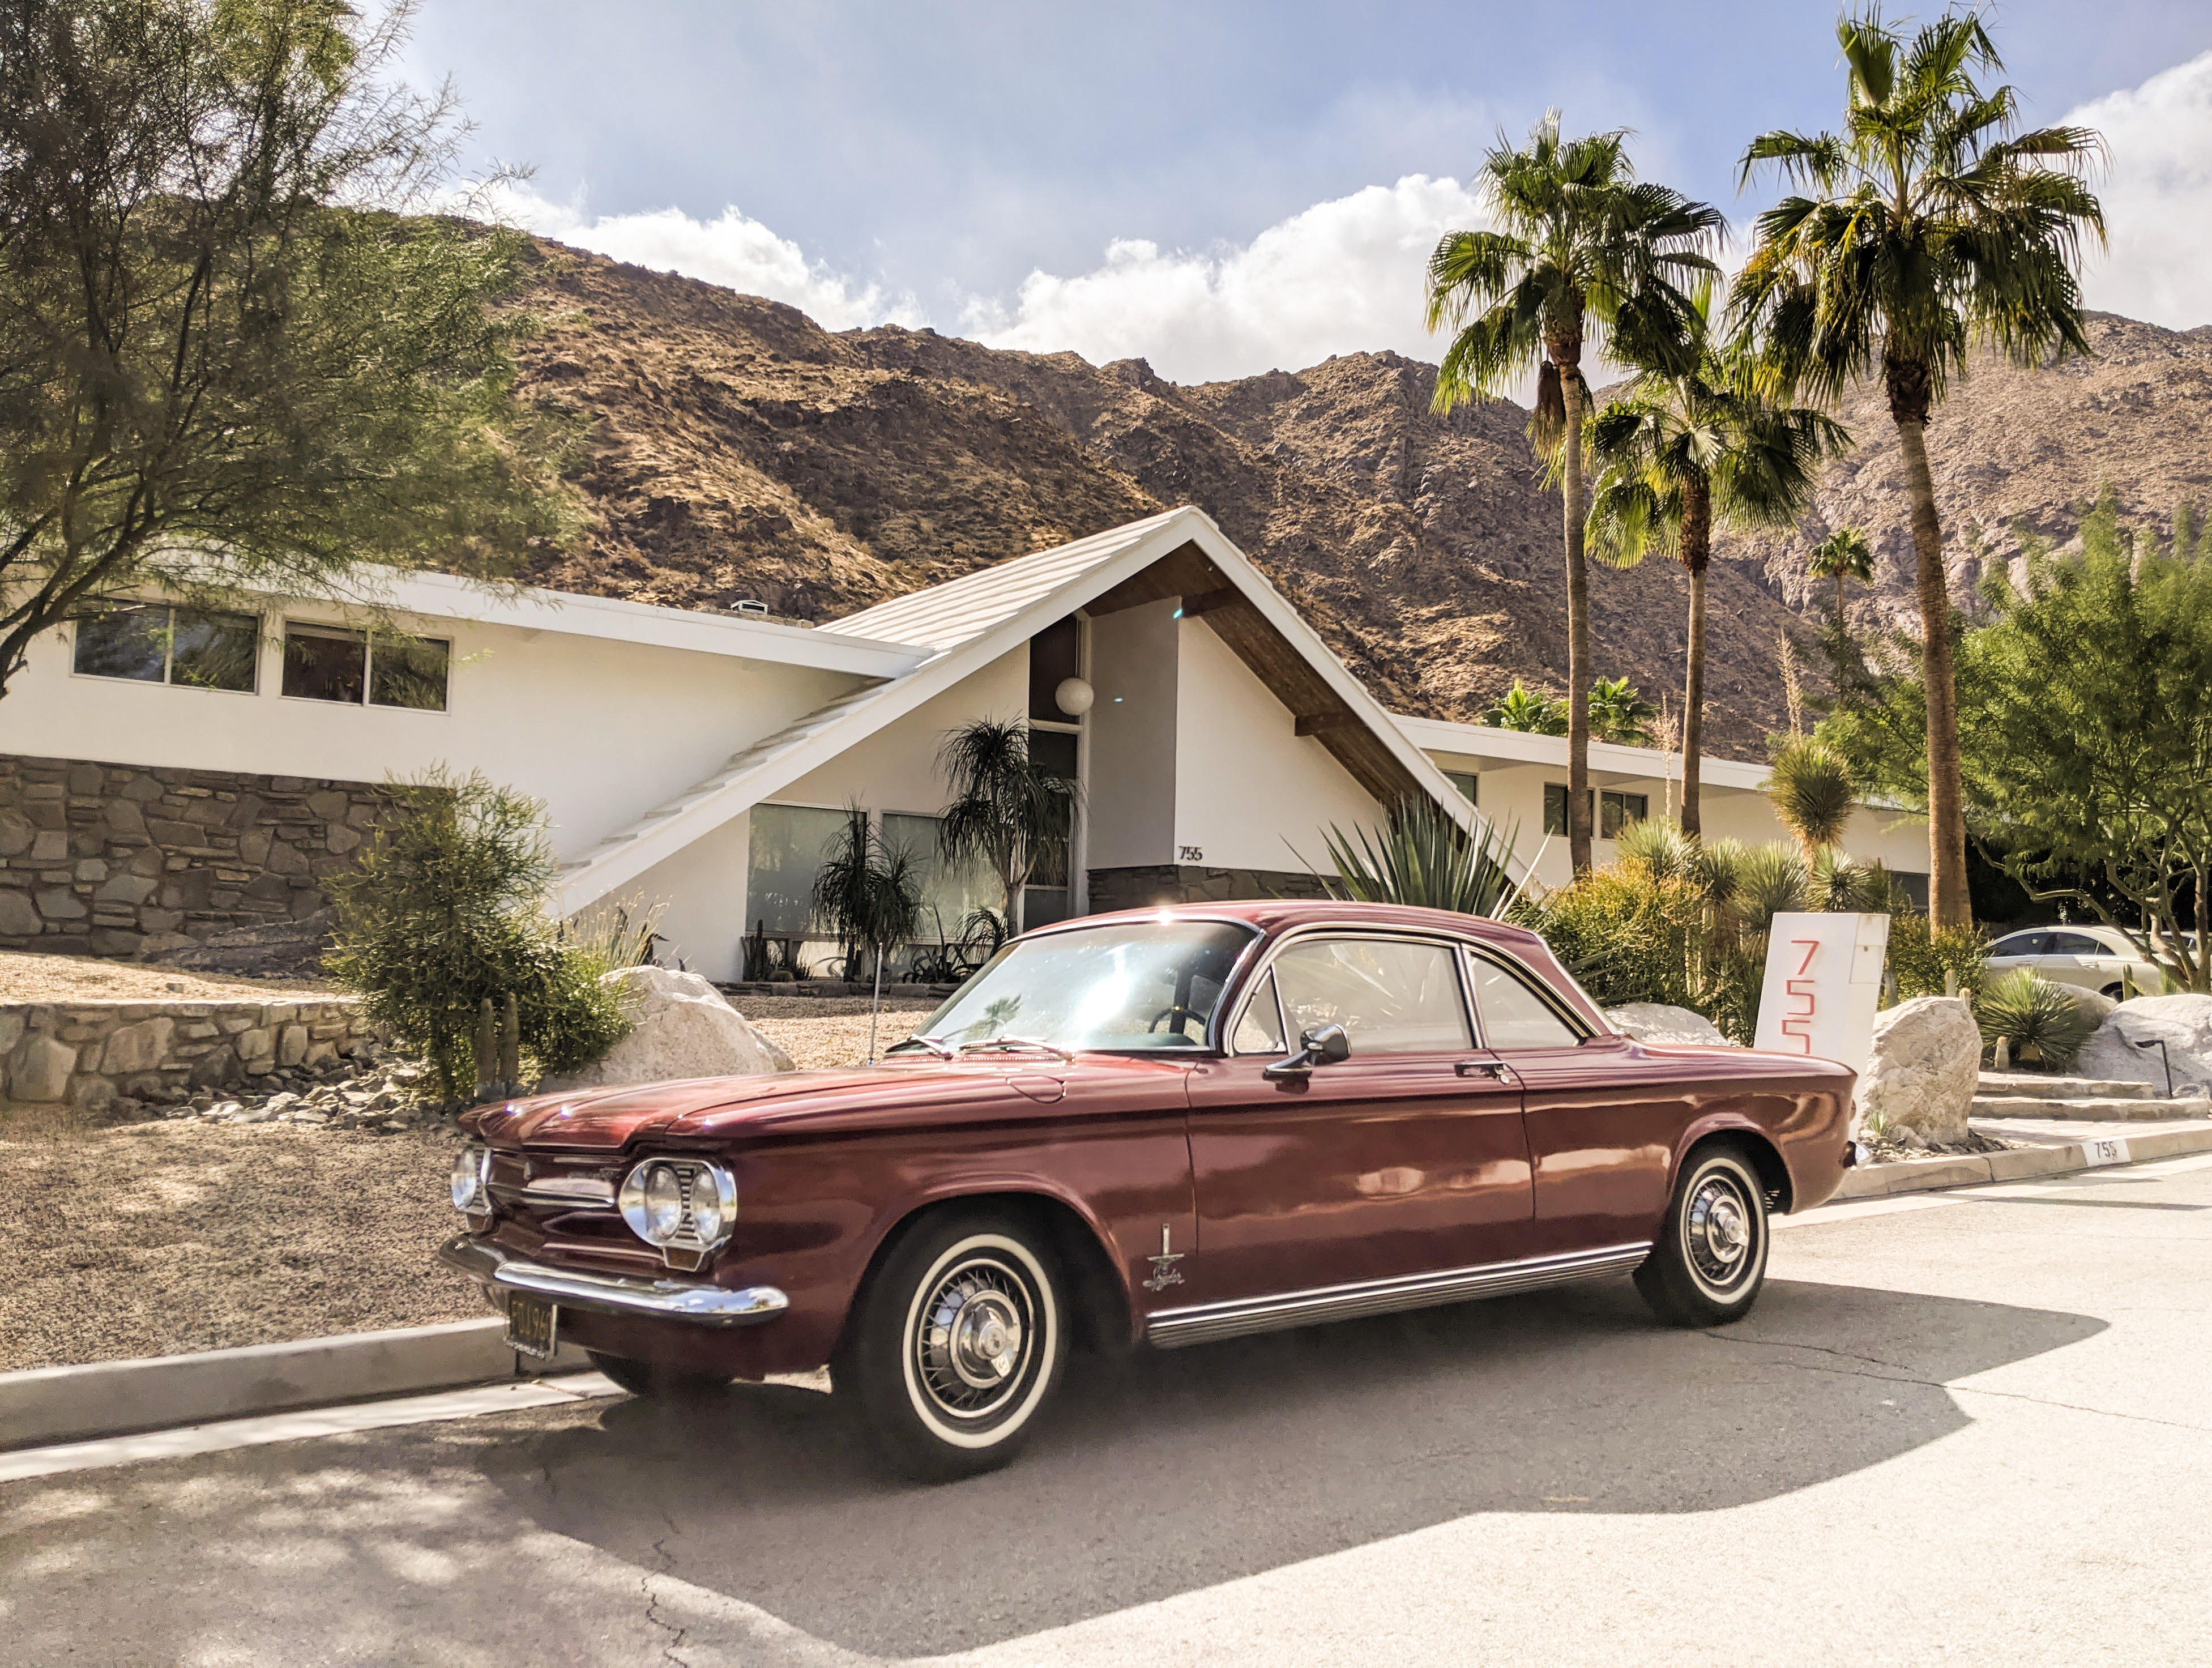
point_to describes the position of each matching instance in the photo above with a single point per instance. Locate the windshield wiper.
(932, 1043)
(1007, 1044)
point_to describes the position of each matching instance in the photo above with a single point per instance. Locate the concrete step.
(2050, 1086)
(2090, 1108)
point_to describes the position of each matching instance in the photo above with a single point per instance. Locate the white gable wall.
(1134, 671)
(896, 769)
(1251, 793)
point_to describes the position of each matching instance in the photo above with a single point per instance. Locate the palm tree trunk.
(1840, 604)
(1696, 557)
(1949, 905)
(1578, 634)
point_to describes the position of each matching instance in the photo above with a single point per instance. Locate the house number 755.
(1189, 853)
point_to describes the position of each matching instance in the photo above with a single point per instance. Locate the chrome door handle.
(1481, 1069)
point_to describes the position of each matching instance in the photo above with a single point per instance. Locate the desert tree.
(1006, 812)
(1928, 228)
(1581, 247)
(230, 358)
(1843, 555)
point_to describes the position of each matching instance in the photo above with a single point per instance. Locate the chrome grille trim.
(1172, 1329)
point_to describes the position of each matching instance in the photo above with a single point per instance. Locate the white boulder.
(1923, 1067)
(2183, 1024)
(680, 1027)
(1655, 1022)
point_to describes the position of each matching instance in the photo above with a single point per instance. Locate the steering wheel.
(1175, 1016)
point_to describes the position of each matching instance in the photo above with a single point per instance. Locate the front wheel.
(1710, 1260)
(958, 1345)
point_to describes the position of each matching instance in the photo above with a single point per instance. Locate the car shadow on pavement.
(1168, 1473)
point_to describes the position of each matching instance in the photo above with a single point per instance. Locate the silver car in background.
(2094, 957)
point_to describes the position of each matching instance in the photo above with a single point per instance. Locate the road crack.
(1900, 1374)
(670, 1652)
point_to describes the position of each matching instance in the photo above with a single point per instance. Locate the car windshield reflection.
(1126, 986)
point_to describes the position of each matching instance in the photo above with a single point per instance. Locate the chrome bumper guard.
(692, 1301)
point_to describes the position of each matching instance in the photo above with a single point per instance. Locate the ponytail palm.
(1695, 442)
(1581, 249)
(1926, 227)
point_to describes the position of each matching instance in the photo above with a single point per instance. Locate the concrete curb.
(2020, 1163)
(110, 1399)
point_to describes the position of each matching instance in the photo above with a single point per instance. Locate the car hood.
(710, 1108)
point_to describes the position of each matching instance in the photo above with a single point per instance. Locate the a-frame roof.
(967, 623)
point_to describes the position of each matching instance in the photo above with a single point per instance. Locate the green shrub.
(446, 907)
(1919, 957)
(2042, 1022)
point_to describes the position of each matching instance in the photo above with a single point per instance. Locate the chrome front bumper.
(693, 1301)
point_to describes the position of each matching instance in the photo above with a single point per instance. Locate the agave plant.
(1422, 857)
(1835, 882)
(1770, 881)
(2039, 1021)
(1659, 848)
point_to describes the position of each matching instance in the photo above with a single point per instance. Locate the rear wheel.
(2114, 991)
(651, 1379)
(957, 1344)
(1710, 1260)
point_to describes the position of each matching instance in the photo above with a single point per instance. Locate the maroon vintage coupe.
(1164, 1127)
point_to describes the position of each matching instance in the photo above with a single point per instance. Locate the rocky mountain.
(738, 451)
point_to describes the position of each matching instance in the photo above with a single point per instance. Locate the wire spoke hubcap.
(974, 1337)
(1717, 1231)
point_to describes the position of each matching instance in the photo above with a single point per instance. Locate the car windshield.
(1127, 986)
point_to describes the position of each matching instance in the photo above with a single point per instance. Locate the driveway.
(1965, 1427)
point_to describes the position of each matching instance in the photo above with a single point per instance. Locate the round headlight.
(471, 1165)
(664, 1203)
(706, 1208)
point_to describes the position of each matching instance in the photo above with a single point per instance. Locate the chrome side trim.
(693, 1301)
(1171, 1329)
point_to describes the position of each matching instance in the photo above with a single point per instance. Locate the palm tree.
(1695, 440)
(1620, 713)
(1926, 227)
(1520, 708)
(1842, 555)
(1581, 248)
(1007, 812)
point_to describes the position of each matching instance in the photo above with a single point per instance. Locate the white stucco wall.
(601, 731)
(896, 769)
(1251, 793)
(703, 890)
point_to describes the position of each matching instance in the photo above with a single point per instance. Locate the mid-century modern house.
(164, 778)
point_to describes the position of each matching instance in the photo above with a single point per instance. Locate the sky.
(1220, 189)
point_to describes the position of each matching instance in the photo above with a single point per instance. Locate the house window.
(787, 845)
(1615, 811)
(1055, 653)
(153, 643)
(331, 663)
(1466, 782)
(949, 895)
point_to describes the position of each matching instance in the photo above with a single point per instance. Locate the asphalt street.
(1968, 1428)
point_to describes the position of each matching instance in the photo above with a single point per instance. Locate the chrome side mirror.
(1323, 1046)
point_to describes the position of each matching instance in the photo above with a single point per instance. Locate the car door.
(1407, 1156)
(1603, 1116)
(2079, 960)
(2021, 949)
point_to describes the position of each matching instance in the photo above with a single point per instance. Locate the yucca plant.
(1421, 856)
(2040, 1021)
(1835, 882)
(1770, 881)
(1658, 847)
(1810, 787)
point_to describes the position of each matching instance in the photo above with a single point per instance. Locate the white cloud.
(2158, 199)
(1342, 277)
(734, 249)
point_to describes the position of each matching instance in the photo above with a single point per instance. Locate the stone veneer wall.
(106, 1058)
(1167, 883)
(122, 860)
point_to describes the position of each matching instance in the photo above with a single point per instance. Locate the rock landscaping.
(1655, 1022)
(680, 1027)
(2183, 1024)
(1918, 1084)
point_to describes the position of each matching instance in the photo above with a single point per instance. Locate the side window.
(2022, 944)
(1391, 995)
(1261, 1030)
(2076, 944)
(1513, 1015)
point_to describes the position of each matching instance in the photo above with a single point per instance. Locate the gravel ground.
(182, 1235)
(29, 979)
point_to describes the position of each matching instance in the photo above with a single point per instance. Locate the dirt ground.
(157, 1239)
(29, 979)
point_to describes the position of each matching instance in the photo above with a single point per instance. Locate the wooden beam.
(1183, 571)
(1321, 723)
(1197, 608)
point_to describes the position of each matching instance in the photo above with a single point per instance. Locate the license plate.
(532, 1323)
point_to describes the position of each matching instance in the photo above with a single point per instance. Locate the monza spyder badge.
(1164, 1272)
